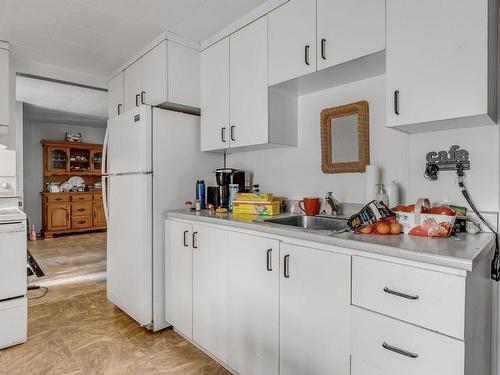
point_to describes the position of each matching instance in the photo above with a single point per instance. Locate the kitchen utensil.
(310, 206)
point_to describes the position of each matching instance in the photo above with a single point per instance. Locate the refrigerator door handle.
(104, 165)
(105, 197)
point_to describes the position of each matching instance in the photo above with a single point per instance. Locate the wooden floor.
(85, 334)
(73, 264)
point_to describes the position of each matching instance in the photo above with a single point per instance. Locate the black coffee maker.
(224, 177)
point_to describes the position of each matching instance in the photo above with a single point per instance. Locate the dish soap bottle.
(32, 233)
(382, 194)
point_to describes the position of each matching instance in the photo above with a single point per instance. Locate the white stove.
(13, 257)
(11, 214)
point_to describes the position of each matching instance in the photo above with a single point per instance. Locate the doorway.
(63, 127)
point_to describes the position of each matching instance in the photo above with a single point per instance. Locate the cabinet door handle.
(95, 214)
(58, 199)
(323, 49)
(223, 134)
(195, 240)
(306, 52)
(137, 100)
(143, 101)
(399, 294)
(119, 109)
(269, 265)
(286, 266)
(81, 209)
(232, 133)
(82, 221)
(185, 238)
(396, 102)
(394, 349)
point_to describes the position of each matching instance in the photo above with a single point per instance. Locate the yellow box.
(251, 197)
(256, 208)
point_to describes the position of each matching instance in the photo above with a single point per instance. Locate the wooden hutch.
(67, 212)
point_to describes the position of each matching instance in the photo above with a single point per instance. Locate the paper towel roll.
(372, 179)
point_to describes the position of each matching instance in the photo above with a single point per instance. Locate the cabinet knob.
(231, 132)
(286, 266)
(394, 349)
(399, 294)
(223, 134)
(396, 102)
(195, 240)
(306, 55)
(323, 49)
(269, 260)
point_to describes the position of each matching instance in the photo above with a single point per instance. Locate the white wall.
(33, 133)
(296, 172)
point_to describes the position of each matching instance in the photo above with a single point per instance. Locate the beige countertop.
(462, 251)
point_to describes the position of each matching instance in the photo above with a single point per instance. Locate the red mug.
(310, 206)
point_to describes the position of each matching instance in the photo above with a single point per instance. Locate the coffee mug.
(310, 206)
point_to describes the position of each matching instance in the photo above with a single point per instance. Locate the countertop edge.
(385, 250)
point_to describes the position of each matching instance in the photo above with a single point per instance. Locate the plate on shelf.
(76, 181)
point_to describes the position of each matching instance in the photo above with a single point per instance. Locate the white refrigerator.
(152, 160)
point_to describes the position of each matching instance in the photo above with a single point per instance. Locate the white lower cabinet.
(210, 290)
(253, 304)
(264, 306)
(315, 298)
(384, 346)
(180, 263)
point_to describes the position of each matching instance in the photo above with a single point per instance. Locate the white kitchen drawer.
(13, 322)
(426, 298)
(408, 350)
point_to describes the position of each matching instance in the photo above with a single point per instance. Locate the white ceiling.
(39, 115)
(61, 97)
(98, 36)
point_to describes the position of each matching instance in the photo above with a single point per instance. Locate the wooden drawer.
(426, 298)
(81, 222)
(97, 197)
(81, 197)
(384, 346)
(81, 209)
(57, 198)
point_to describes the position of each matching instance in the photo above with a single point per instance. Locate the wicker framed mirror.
(345, 138)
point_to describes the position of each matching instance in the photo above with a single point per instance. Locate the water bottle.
(200, 192)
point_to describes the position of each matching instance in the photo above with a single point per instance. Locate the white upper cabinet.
(132, 86)
(115, 90)
(168, 75)
(183, 75)
(292, 40)
(154, 76)
(4, 86)
(349, 29)
(235, 97)
(441, 64)
(248, 85)
(315, 303)
(215, 96)
(253, 308)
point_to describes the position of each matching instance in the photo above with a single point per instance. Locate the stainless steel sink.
(312, 222)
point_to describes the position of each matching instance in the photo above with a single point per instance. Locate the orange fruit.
(396, 228)
(383, 228)
(366, 230)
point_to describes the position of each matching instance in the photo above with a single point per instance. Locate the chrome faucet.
(335, 205)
